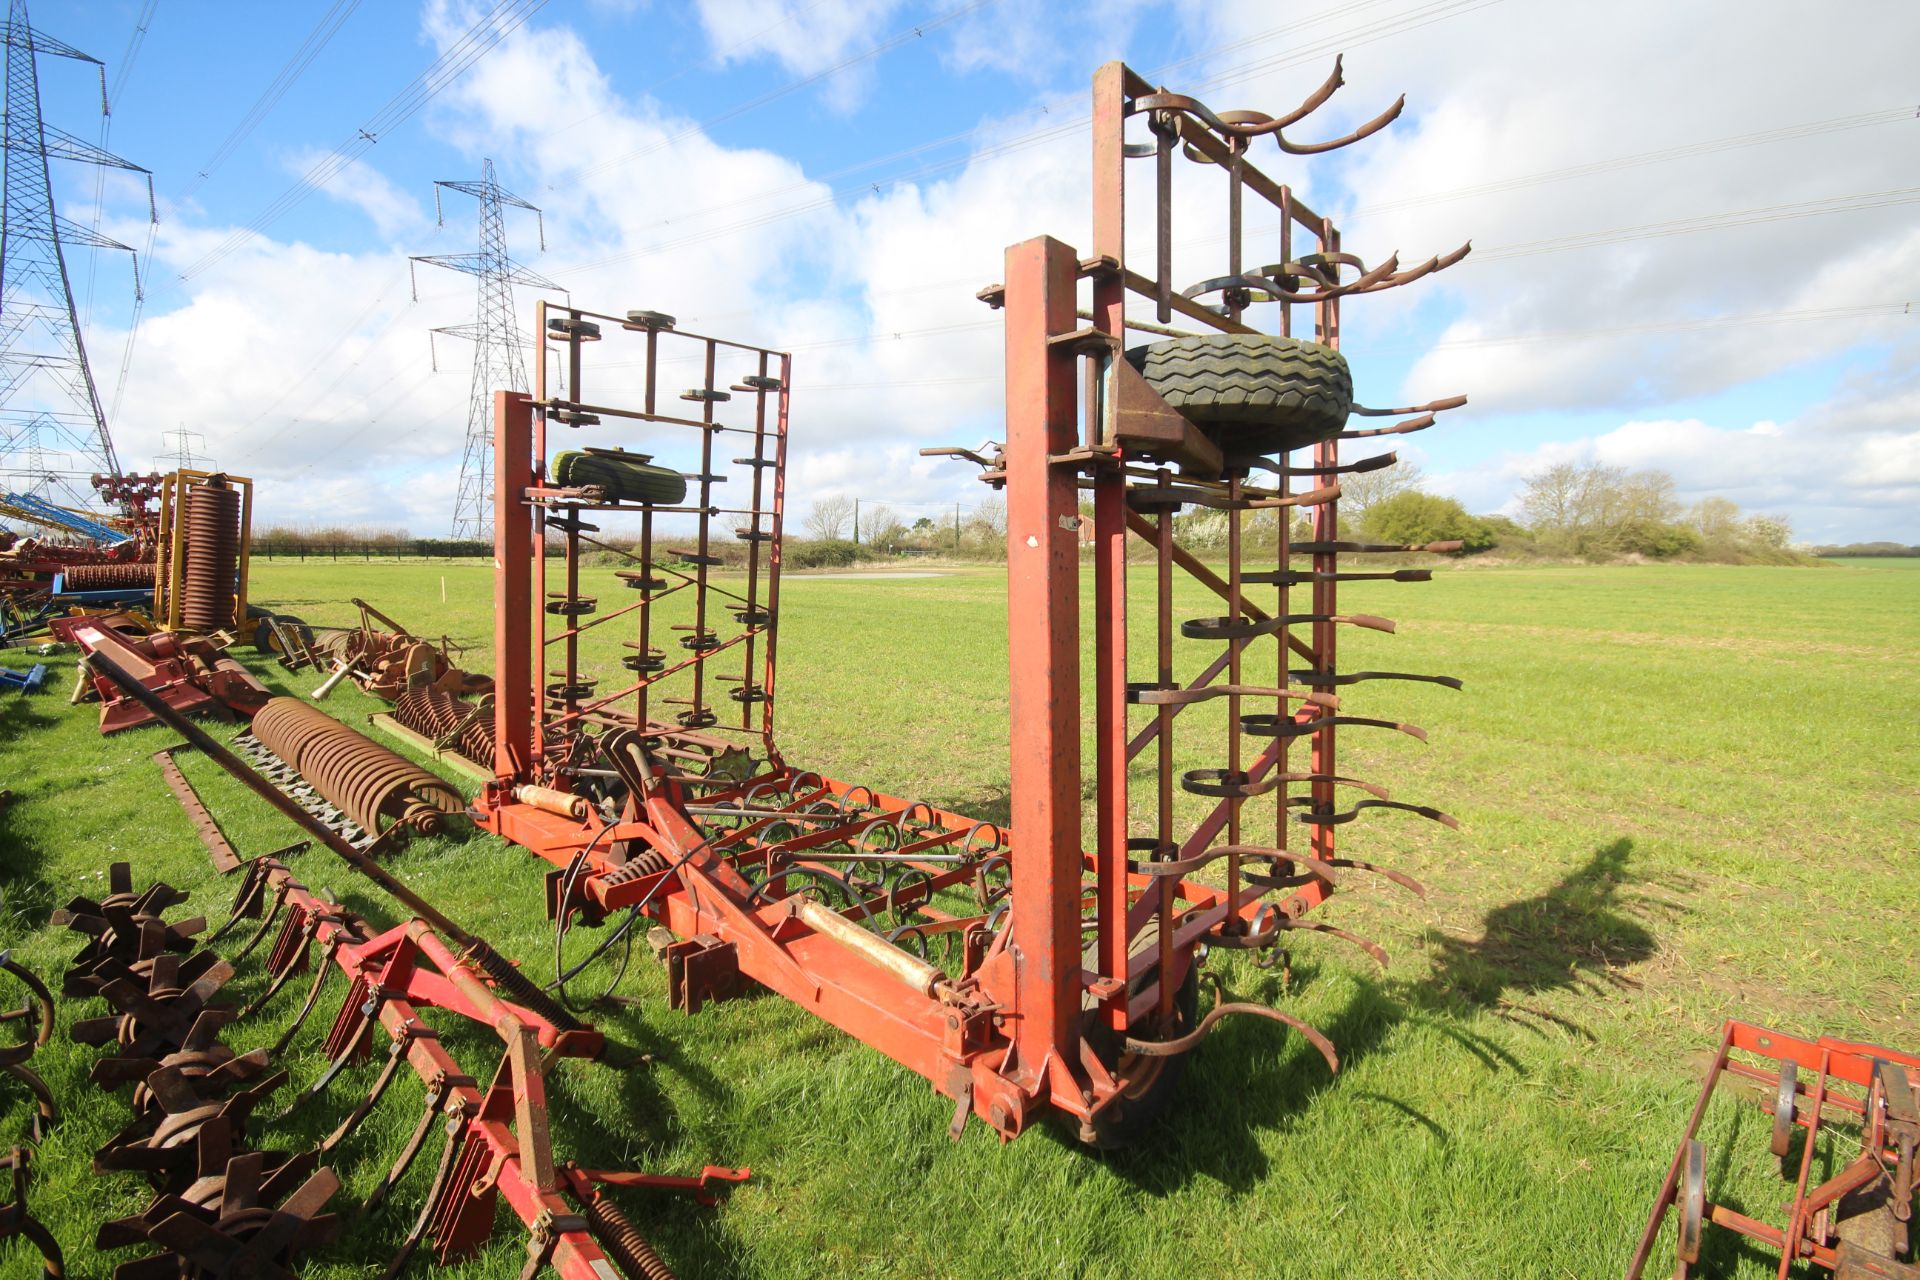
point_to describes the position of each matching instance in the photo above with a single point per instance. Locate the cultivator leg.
(227, 1209)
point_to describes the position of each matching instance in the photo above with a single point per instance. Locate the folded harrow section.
(1017, 970)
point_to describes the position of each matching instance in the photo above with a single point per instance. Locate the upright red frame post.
(514, 671)
(1043, 647)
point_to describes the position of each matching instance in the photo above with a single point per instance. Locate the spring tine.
(279, 901)
(1374, 949)
(396, 1054)
(321, 971)
(46, 1113)
(368, 1010)
(1175, 1047)
(295, 955)
(1400, 878)
(436, 1090)
(456, 1131)
(247, 898)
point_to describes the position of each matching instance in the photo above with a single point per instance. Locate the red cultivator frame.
(1017, 971)
(1856, 1221)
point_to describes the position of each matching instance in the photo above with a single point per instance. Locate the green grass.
(1686, 792)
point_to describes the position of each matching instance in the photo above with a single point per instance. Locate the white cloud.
(807, 37)
(644, 209)
(1843, 475)
(392, 211)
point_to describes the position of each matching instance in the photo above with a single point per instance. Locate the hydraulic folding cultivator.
(1016, 970)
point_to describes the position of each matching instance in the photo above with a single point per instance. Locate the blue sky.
(1740, 325)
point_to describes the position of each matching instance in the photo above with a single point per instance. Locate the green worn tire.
(1251, 393)
(625, 480)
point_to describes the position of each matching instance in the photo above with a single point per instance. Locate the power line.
(107, 98)
(1704, 222)
(496, 25)
(295, 66)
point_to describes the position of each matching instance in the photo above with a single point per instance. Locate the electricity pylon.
(53, 433)
(499, 361)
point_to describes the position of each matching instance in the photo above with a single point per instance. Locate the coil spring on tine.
(620, 1238)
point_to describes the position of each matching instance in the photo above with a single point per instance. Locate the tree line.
(1580, 510)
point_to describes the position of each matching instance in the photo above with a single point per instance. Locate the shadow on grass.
(1575, 935)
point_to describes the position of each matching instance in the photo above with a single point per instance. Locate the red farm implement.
(1852, 1109)
(1019, 971)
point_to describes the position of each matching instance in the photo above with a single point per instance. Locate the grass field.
(1685, 793)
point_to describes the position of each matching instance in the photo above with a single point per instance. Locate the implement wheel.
(1151, 1081)
(1251, 393)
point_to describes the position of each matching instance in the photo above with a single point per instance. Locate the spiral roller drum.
(358, 776)
(108, 577)
(435, 714)
(213, 556)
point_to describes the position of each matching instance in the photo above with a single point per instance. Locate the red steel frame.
(1847, 1087)
(500, 1127)
(1003, 1029)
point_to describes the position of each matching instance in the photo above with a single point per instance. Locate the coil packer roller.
(986, 982)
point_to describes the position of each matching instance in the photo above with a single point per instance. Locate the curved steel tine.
(1374, 949)
(1336, 819)
(1318, 98)
(456, 1132)
(1439, 262)
(1179, 1045)
(246, 899)
(280, 979)
(1411, 425)
(396, 1054)
(1400, 878)
(279, 901)
(46, 1112)
(1185, 866)
(1366, 130)
(1432, 406)
(369, 1010)
(321, 972)
(437, 1089)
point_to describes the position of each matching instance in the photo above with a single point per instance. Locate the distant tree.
(1362, 489)
(881, 529)
(1768, 531)
(1717, 519)
(1416, 517)
(923, 525)
(991, 516)
(1588, 508)
(830, 517)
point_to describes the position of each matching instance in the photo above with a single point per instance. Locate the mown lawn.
(1685, 793)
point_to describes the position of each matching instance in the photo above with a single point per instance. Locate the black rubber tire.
(1123, 1123)
(1251, 393)
(263, 637)
(625, 481)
